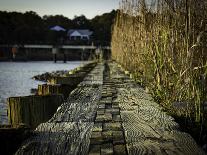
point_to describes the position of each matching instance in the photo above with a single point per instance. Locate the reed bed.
(163, 43)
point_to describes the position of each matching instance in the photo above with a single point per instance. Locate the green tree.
(81, 22)
(102, 26)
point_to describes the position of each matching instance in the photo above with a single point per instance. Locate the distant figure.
(99, 53)
(14, 51)
(54, 52)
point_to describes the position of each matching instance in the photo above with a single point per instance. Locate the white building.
(57, 28)
(79, 34)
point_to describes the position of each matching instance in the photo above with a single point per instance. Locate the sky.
(68, 8)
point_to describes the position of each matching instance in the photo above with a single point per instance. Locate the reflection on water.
(15, 79)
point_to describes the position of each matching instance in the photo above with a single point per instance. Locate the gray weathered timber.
(108, 134)
(49, 89)
(108, 113)
(148, 129)
(69, 80)
(63, 82)
(69, 130)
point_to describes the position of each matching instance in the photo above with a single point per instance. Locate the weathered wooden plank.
(69, 80)
(58, 138)
(69, 130)
(49, 89)
(148, 129)
(108, 134)
(135, 120)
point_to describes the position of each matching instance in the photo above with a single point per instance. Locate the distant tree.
(5, 27)
(102, 26)
(60, 20)
(20, 28)
(29, 27)
(34, 27)
(81, 22)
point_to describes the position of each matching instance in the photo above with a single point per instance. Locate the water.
(16, 79)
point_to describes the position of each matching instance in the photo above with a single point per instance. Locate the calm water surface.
(16, 79)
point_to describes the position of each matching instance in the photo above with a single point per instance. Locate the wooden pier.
(50, 52)
(108, 113)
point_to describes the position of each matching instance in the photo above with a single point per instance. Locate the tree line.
(30, 28)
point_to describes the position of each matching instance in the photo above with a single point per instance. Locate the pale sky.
(68, 8)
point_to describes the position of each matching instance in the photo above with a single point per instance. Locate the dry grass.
(164, 44)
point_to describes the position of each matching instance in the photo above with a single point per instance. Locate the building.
(79, 34)
(57, 28)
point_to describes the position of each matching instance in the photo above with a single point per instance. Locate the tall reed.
(163, 43)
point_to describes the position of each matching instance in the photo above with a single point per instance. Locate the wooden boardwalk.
(108, 113)
(62, 46)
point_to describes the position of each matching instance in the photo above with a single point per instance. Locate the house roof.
(76, 33)
(57, 28)
(84, 32)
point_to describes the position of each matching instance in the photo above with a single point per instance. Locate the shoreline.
(28, 79)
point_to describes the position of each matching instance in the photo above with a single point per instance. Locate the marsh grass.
(163, 43)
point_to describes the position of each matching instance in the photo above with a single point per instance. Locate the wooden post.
(54, 52)
(27, 54)
(55, 58)
(64, 57)
(14, 51)
(71, 80)
(49, 89)
(32, 110)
